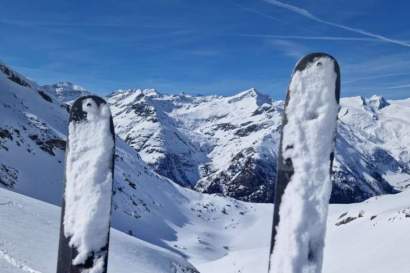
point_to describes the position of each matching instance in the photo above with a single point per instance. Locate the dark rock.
(4, 133)
(11, 75)
(49, 144)
(246, 179)
(247, 130)
(346, 221)
(44, 96)
(224, 126)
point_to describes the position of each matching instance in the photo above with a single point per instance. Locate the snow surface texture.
(308, 141)
(88, 187)
(367, 237)
(29, 242)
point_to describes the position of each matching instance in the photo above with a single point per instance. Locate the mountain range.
(172, 150)
(228, 145)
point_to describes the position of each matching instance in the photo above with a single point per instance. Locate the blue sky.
(207, 47)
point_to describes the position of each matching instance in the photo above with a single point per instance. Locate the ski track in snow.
(16, 263)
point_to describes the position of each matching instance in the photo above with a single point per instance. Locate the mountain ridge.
(227, 144)
(251, 121)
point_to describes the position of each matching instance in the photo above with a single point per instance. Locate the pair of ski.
(302, 190)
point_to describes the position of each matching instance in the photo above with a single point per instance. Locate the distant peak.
(66, 91)
(251, 93)
(377, 102)
(66, 85)
(149, 92)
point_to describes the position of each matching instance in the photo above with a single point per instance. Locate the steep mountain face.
(228, 145)
(372, 148)
(32, 133)
(214, 144)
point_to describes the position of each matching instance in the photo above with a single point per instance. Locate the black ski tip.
(310, 58)
(77, 113)
(302, 63)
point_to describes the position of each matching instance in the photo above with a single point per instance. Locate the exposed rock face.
(247, 178)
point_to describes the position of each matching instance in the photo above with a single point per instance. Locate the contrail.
(299, 37)
(256, 12)
(377, 77)
(398, 86)
(307, 14)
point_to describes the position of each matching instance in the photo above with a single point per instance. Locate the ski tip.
(312, 57)
(77, 113)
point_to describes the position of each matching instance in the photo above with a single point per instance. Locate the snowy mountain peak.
(66, 91)
(150, 92)
(377, 102)
(373, 104)
(191, 138)
(66, 85)
(251, 93)
(136, 91)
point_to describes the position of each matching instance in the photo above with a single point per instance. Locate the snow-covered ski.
(89, 169)
(303, 184)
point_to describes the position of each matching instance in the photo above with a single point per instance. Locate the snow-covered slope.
(32, 139)
(228, 145)
(368, 237)
(29, 241)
